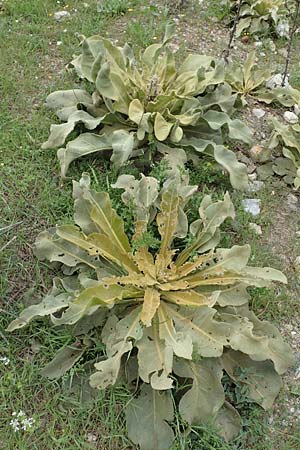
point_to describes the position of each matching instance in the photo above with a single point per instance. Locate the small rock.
(258, 112)
(297, 373)
(271, 420)
(290, 117)
(297, 263)
(60, 15)
(292, 202)
(255, 186)
(283, 28)
(297, 110)
(258, 44)
(252, 177)
(252, 206)
(276, 81)
(255, 152)
(256, 228)
(91, 437)
(262, 54)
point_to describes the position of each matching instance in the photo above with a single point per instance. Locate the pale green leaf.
(162, 128)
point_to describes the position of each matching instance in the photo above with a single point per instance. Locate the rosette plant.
(285, 140)
(259, 16)
(175, 316)
(249, 80)
(140, 102)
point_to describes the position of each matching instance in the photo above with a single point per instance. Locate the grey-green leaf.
(146, 418)
(64, 359)
(83, 145)
(206, 396)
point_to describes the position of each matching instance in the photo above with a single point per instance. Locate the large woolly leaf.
(59, 133)
(122, 144)
(228, 422)
(52, 302)
(155, 359)
(63, 361)
(206, 396)
(162, 128)
(147, 417)
(118, 342)
(181, 343)
(260, 378)
(63, 99)
(205, 230)
(208, 335)
(84, 145)
(150, 305)
(237, 171)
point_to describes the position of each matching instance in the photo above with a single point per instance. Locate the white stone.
(262, 54)
(252, 206)
(276, 81)
(292, 202)
(252, 176)
(297, 373)
(297, 263)
(256, 228)
(283, 28)
(258, 112)
(297, 110)
(290, 117)
(60, 15)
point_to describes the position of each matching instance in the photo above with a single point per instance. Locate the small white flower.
(15, 424)
(4, 359)
(21, 422)
(27, 423)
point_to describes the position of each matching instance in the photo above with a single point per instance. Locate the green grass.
(32, 198)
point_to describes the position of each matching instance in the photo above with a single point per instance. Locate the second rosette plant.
(135, 103)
